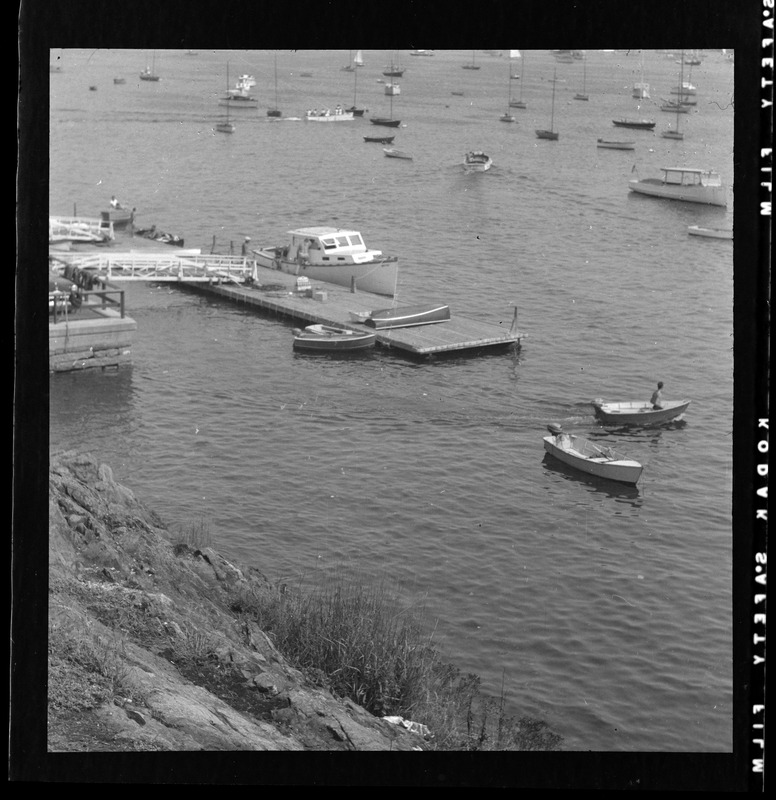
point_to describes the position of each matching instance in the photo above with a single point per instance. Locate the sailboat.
(393, 71)
(551, 133)
(506, 116)
(583, 95)
(356, 112)
(670, 133)
(275, 112)
(641, 89)
(389, 121)
(519, 103)
(472, 65)
(150, 74)
(226, 125)
(359, 59)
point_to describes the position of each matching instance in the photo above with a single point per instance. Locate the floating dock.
(240, 280)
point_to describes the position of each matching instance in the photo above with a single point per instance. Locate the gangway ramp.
(132, 266)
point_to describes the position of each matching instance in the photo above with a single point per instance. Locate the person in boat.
(657, 397)
(115, 203)
(562, 439)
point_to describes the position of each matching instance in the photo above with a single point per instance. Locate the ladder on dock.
(159, 267)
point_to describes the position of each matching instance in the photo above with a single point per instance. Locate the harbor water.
(603, 609)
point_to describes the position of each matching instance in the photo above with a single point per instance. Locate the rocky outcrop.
(149, 648)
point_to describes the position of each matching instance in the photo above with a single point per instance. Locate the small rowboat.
(639, 124)
(711, 233)
(588, 457)
(391, 152)
(639, 412)
(327, 338)
(613, 145)
(380, 139)
(407, 316)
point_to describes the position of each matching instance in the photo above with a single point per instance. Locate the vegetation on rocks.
(157, 642)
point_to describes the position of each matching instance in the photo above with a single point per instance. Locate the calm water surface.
(605, 610)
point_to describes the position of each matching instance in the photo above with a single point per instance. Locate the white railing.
(79, 228)
(157, 267)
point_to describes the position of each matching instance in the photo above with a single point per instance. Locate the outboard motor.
(555, 430)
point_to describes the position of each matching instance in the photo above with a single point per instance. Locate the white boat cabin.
(680, 176)
(324, 245)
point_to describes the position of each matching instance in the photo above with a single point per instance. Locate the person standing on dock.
(245, 245)
(657, 396)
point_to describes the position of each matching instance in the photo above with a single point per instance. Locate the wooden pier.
(241, 280)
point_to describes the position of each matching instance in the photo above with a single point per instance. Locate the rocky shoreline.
(147, 650)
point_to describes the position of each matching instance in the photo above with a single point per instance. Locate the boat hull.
(385, 122)
(608, 145)
(119, 217)
(655, 187)
(380, 139)
(477, 162)
(643, 125)
(639, 412)
(621, 469)
(408, 316)
(378, 276)
(711, 233)
(397, 154)
(239, 102)
(345, 116)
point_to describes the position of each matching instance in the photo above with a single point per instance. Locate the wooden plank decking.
(273, 291)
(240, 280)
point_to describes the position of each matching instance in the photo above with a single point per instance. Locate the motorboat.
(240, 96)
(609, 144)
(328, 338)
(338, 115)
(333, 255)
(392, 152)
(593, 459)
(711, 233)
(477, 161)
(380, 139)
(408, 316)
(638, 412)
(684, 183)
(638, 124)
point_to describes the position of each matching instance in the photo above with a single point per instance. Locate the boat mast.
(552, 113)
(681, 89)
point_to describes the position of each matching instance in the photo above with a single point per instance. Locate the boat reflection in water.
(620, 492)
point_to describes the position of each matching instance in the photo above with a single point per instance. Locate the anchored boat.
(683, 183)
(710, 233)
(588, 457)
(333, 255)
(608, 144)
(638, 124)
